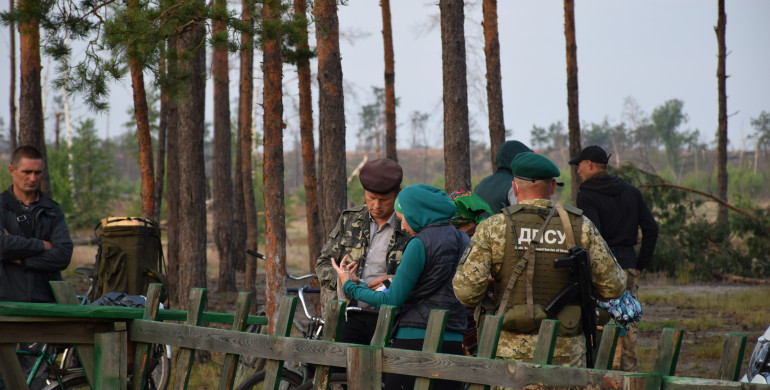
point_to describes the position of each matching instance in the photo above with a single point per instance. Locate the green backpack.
(130, 257)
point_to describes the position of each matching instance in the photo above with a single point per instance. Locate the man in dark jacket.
(496, 189)
(618, 210)
(35, 244)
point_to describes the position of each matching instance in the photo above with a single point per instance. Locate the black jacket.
(618, 210)
(28, 282)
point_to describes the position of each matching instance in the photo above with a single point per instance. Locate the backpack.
(129, 258)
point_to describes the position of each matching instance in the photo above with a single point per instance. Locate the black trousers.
(398, 382)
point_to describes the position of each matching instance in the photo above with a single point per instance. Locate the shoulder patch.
(573, 209)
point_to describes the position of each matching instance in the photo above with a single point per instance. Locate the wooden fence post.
(546, 342)
(10, 369)
(668, 352)
(242, 306)
(111, 371)
(641, 381)
(434, 339)
(364, 364)
(184, 360)
(142, 355)
(732, 357)
(384, 326)
(607, 347)
(274, 368)
(490, 334)
(334, 317)
(64, 292)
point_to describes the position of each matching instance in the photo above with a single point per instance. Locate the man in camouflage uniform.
(539, 238)
(371, 236)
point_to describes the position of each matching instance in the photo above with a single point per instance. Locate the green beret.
(532, 166)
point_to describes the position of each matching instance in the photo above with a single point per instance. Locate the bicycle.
(65, 371)
(300, 378)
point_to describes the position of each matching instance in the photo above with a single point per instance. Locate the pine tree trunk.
(172, 182)
(222, 162)
(144, 138)
(314, 242)
(245, 124)
(390, 89)
(457, 166)
(12, 95)
(31, 130)
(722, 134)
(192, 175)
(331, 116)
(573, 119)
(275, 228)
(494, 78)
(160, 167)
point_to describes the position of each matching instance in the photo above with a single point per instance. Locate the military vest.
(548, 281)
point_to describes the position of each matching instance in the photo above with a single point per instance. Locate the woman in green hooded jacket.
(423, 280)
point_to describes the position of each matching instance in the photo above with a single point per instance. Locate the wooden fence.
(102, 335)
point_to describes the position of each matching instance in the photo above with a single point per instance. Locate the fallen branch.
(702, 193)
(738, 279)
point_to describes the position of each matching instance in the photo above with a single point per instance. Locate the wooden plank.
(681, 383)
(641, 381)
(487, 349)
(732, 357)
(546, 342)
(23, 309)
(434, 339)
(64, 293)
(385, 320)
(414, 363)
(68, 332)
(230, 365)
(334, 318)
(10, 369)
(184, 361)
(142, 354)
(274, 368)
(364, 367)
(668, 352)
(607, 346)
(111, 368)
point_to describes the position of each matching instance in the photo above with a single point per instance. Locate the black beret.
(381, 176)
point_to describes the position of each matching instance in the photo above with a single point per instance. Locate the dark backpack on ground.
(130, 257)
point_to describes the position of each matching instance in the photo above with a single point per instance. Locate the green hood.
(423, 205)
(508, 150)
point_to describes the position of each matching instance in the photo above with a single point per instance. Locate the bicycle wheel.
(160, 369)
(336, 381)
(290, 380)
(248, 365)
(70, 382)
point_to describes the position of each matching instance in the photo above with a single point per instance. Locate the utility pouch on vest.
(516, 319)
(569, 317)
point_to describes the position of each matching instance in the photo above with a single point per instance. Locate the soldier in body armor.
(518, 248)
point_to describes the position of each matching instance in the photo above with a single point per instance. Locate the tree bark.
(494, 78)
(12, 95)
(390, 89)
(172, 182)
(160, 167)
(192, 175)
(245, 124)
(457, 166)
(144, 138)
(31, 131)
(573, 121)
(275, 228)
(331, 115)
(722, 133)
(222, 162)
(314, 242)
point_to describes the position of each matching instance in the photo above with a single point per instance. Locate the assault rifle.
(580, 286)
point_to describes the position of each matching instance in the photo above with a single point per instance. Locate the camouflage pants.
(629, 361)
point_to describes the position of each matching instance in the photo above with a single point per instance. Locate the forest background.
(168, 43)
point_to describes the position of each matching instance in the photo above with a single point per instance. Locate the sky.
(651, 51)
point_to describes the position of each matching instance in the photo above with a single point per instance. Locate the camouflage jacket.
(351, 236)
(484, 256)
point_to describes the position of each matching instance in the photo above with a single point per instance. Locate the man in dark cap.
(496, 189)
(618, 210)
(518, 248)
(371, 236)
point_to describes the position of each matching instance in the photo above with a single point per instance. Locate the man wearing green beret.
(518, 248)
